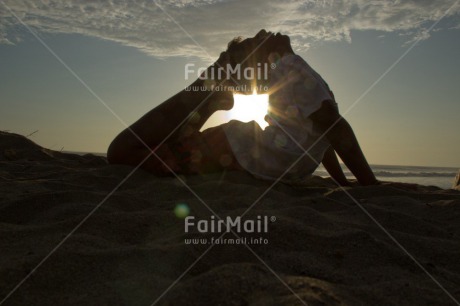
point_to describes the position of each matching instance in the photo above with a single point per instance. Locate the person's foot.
(221, 100)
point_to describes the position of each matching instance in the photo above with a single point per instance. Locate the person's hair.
(234, 43)
(238, 45)
(232, 47)
(260, 45)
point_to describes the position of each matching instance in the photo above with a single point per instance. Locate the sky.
(393, 66)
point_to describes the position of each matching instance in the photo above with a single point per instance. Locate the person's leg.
(216, 102)
(332, 165)
(344, 142)
(205, 152)
(134, 144)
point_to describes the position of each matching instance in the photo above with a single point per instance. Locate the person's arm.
(343, 140)
(332, 165)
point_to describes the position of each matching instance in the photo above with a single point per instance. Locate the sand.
(322, 249)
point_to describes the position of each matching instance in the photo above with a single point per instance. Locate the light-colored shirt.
(296, 92)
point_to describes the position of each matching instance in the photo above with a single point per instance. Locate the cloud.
(212, 23)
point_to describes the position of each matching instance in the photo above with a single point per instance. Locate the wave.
(414, 174)
(399, 174)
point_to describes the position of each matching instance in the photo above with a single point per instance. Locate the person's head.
(258, 52)
(259, 47)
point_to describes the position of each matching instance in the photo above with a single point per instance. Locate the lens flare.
(250, 107)
(182, 210)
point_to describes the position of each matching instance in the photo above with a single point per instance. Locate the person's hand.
(224, 63)
(217, 74)
(221, 100)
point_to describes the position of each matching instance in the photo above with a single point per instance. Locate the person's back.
(304, 123)
(292, 143)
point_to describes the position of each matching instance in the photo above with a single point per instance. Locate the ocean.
(432, 176)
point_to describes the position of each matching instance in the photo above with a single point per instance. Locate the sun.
(250, 107)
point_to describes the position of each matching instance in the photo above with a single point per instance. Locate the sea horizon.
(442, 177)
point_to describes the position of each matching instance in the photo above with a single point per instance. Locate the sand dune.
(323, 248)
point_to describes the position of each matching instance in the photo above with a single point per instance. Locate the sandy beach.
(107, 243)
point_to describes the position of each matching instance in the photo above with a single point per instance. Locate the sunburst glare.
(250, 107)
